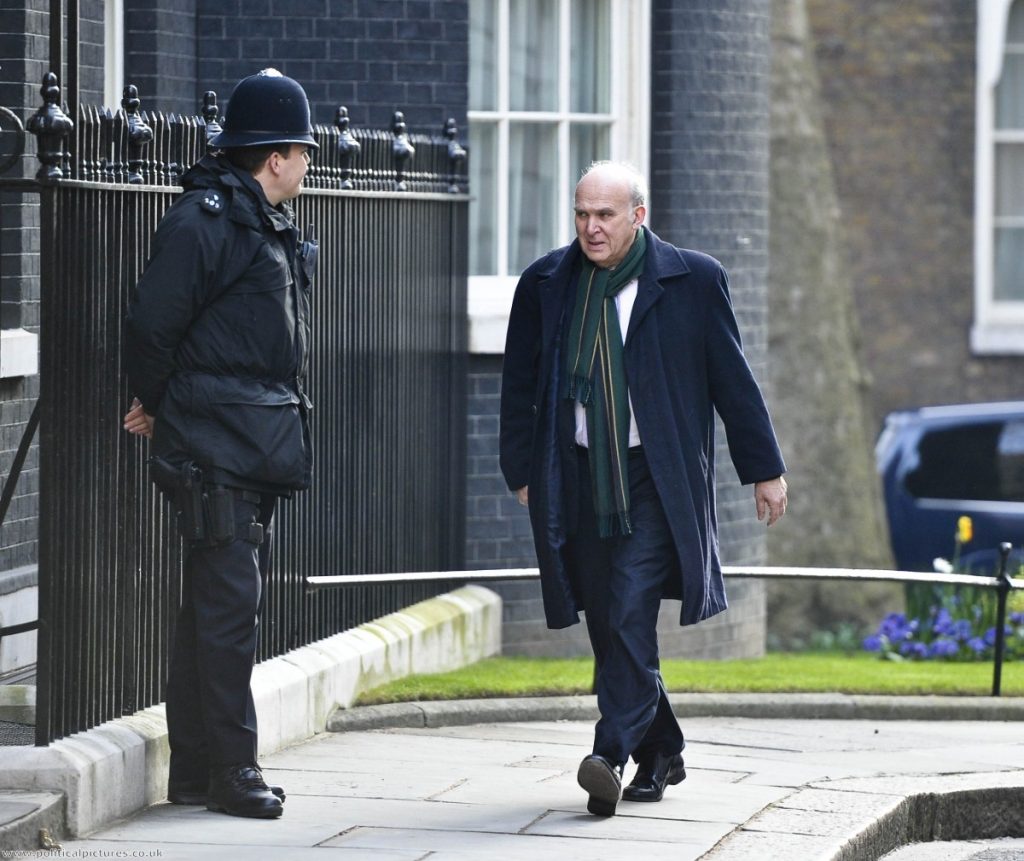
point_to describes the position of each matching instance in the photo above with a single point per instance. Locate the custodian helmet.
(266, 108)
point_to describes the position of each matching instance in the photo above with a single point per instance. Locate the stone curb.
(872, 820)
(26, 816)
(764, 706)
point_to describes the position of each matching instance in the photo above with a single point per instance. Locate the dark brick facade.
(710, 126)
(497, 527)
(898, 88)
(161, 54)
(373, 56)
(24, 58)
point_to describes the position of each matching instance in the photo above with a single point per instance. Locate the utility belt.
(206, 511)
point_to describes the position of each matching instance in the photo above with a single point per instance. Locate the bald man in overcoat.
(620, 350)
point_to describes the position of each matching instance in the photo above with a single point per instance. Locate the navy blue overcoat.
(684, 361)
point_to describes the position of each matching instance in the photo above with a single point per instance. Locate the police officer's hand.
(770, 497)
(523, 495)
(138, 421)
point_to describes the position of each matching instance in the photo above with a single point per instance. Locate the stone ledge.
(115, 769)
(762, 706)
(870, 817)
(25, 817)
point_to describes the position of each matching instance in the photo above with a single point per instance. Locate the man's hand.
(138, 421)
(770, 497)
(523, 495)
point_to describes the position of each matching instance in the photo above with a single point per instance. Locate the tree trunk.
(817, 383)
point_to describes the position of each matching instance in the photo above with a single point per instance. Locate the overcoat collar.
(664, 261)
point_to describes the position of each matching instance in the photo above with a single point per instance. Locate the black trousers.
(211, 719)
(620, 580)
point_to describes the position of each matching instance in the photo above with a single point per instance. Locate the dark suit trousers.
(211, 718)
(620, 580)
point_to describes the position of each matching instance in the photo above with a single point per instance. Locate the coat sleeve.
(181, 275)
(735, 394)
(519, 383)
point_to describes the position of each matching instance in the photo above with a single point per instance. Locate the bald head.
(623, 172)
(610, 207)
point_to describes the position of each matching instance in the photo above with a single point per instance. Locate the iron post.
(1002, 590)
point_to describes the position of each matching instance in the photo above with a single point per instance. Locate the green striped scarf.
(596, 375)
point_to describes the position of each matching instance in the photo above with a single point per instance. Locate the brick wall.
(91, 51)
(710, 121)
(373, 56)
(897, 86)
(160, 45)
(24, 58)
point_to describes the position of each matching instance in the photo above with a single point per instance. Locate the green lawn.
(776, 672)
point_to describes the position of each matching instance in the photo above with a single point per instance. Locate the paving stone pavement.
(761, 789)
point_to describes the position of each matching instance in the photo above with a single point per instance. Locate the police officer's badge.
(213, 202)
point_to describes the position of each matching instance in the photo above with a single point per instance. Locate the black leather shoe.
(194, 792)
(602, 779)
(240, 791)
(653, 775)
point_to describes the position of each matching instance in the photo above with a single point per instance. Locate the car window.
(982, 461)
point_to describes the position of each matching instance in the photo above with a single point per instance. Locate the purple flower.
(874, 643)
(943, 623)
(1017, 618)
(913, 650)
(944, 648)
(961, 629)
(990, 635)
(977, 644)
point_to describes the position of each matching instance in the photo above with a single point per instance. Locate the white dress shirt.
(624, 300)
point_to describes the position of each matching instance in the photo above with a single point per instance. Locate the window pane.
(533, 192)
(1015, 26)
(1009, 269)
(591, 52)
(533, 55)
(587, 144)
(483, 53)
(483, 209)
(1009, 179)
(1010, 93)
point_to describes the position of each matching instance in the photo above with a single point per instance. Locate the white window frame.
(113, 53)
(998, 325)
(490, 296)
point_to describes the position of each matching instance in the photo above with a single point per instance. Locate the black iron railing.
(387, 379)
(1002, 583)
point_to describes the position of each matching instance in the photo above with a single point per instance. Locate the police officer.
(216, 354)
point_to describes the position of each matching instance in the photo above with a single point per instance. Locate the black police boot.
(602, 779)
(240, 790)
(653, 774)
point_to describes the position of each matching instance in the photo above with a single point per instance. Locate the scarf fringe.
(581, 389)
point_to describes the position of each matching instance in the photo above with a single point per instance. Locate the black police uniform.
(217, 342)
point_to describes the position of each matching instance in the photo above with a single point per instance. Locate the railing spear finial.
(139, 133)
(402, 149)
(50, 125)
(348, 146)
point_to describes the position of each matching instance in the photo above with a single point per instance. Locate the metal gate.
(387, 380)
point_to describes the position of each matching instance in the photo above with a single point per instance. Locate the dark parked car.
(939, 463)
